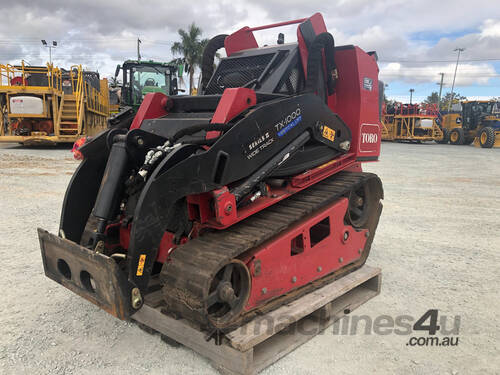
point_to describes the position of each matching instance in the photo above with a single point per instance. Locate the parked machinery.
(48, 105)
(411, 123)
(114, 99)
(477, 121)
(140, 78)
(236, 200)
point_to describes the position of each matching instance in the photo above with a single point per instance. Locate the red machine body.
(358, 105)
(316, 251)
(269, 199)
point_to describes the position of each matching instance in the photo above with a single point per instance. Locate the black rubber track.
(187, 277)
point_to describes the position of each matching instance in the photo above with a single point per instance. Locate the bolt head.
(360, 251)
(346, 235)
(294, 279)
(319, 269)
(226, 292)
(345, 145)
(264, 290)
(136, 298)
(341, 260)
(367, 234)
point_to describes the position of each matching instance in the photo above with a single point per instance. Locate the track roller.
(228, 292)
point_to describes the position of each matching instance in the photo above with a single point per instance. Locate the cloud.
(425, 63)
(419, 37)
(405, 34)
(490, 29)
(467, 74)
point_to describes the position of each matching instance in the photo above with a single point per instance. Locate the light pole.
(454, 76)
(139, 49)
(440, 89)
(54, 45)
(411, 94)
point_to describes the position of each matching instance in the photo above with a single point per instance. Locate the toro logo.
(369, 138)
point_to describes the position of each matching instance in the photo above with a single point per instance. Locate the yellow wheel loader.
(478, 122)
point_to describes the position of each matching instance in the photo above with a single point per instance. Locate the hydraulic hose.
(207, 61)
(266, 169)
(314, 62)
(109, 193)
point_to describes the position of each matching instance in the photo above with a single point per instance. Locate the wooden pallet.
(264, 340)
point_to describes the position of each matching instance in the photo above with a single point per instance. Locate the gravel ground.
(437, 243)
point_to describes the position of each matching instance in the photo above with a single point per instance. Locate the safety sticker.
(140, 266)
(328, 133)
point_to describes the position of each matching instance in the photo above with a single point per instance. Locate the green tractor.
(142, 77)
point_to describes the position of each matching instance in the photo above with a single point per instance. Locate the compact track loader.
(234, 201)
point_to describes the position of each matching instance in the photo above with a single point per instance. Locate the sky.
(415, 40)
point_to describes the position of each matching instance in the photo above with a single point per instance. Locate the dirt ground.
(437, 243)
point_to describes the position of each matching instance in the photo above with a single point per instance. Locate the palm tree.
(114, 81)
(191, 47)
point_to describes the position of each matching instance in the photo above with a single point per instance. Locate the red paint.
(240, 40)
(77, 154)
(224, 204)
(233, 102)
(354, 167)
(369, 140)
(18, 81)
(211, 209)
(153, 106)
(244, 39)
(278, 267)
(401, 109)
(355, 103)
(199, 207)
(278, 24)
(166, 245)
